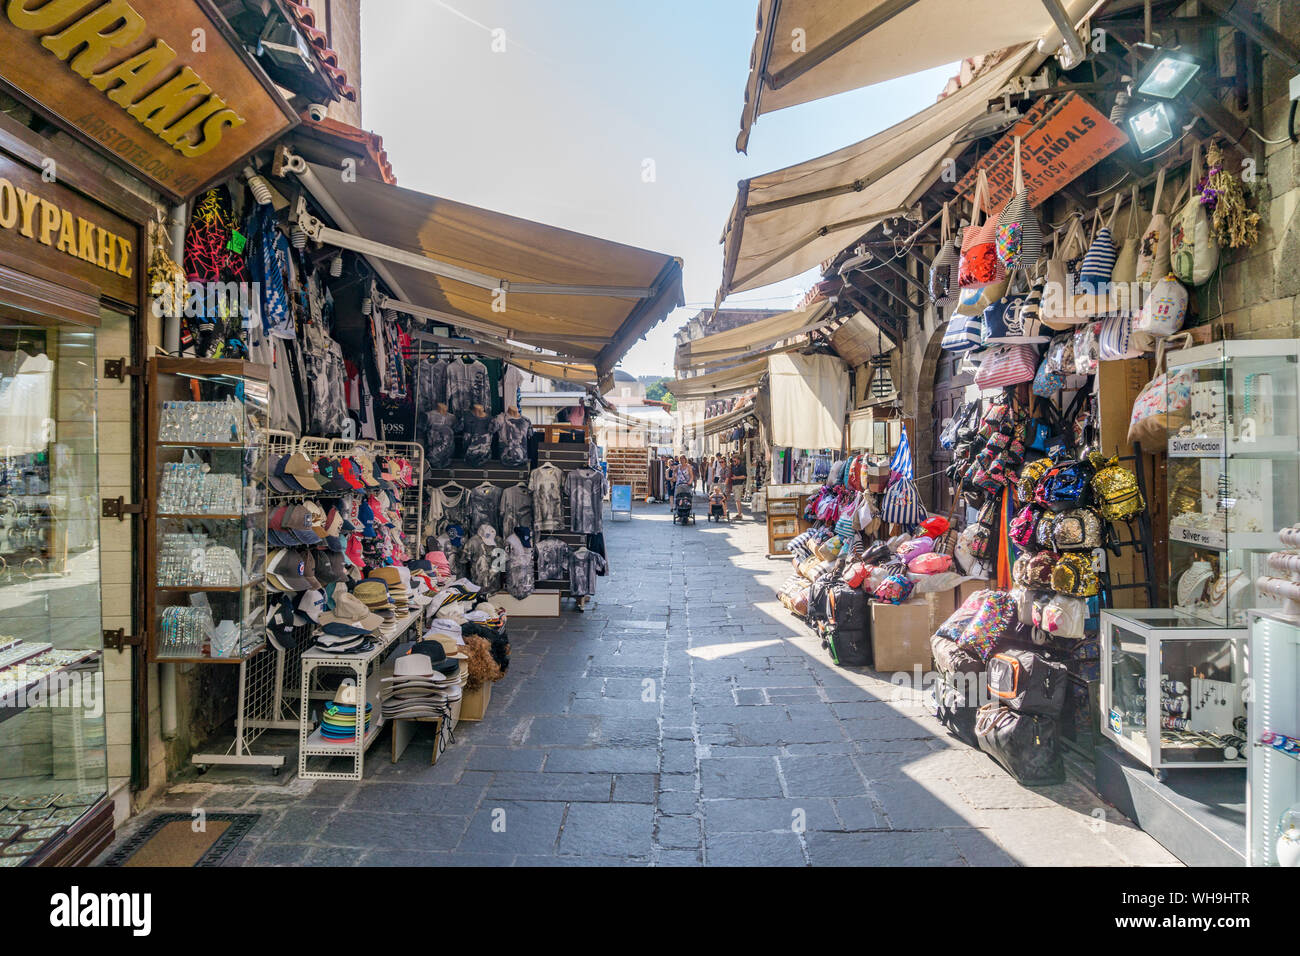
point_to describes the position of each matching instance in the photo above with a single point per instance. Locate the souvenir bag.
(1007, 365)
(1115, 339)
(1076, 530)
(895, 589)
(902, 505)
(1026, 745)
(915, 548)
(972, 302)
(1125, 271)
(1030, 475)
(1074, 575)
(1027, 682)
(992, 623)
(1024, 599)
(1059, 290)
(943, 270)
(1020, 571)
(998, 417)
(1086, 351)
(931, 563)
(1193, 251)
(1063, 616)
(1165, 308)
(979, 263)
(877, 476)
(1153, 247)
(1098, 264)
(1016, 319)
(1060, 354)
(948, 437)
(962, 334)
(1043, 530)
(1018, 235)
(956, 622)
(1116, 492)
(1163, 395)
(1022, 525)
(1038, 574)
(1047, 380)
(1065, 487)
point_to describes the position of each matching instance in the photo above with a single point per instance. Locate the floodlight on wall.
(1168, 73)
(1151, 127)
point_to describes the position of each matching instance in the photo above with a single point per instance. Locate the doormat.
(170, 839)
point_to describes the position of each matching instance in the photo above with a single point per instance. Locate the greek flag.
(900, 466)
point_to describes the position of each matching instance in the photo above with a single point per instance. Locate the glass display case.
(1172, 689)
(53, 753)
(1233, 472)
(1273, 786)
(207, 509)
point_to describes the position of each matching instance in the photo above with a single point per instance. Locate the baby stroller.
(717, 513)
(684, 507)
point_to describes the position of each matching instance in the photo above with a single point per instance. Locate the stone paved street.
(685, 718)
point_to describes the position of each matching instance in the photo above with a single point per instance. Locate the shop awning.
(810, 395)
(755, 337)
(494, 273)
(549, 367)
(716, 384)
(789, 221)
(724, 423)
(808, 49)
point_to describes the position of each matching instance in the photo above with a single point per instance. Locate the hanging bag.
(1125, 271)
(902, 505)
(979, 263)
(1060, 289)
(1164, 394)
(1019, 237)
(944, 286)
(1007, 365)
(1098, 264)
(1016, 319)
(1153, 247)
(1164, 310)
(1193, 252)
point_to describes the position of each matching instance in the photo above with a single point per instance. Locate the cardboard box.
(474, 703)
(900, 636)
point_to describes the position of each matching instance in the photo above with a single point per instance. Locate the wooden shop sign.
(48, 223)
(1059, 141)
(162, 86)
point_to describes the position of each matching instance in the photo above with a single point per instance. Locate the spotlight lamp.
(1167, 74)
(1151, 127)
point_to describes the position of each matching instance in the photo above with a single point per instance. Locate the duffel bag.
(849, 647)
(950, 658)
(951, 692)
(849, 608)
(819, 607)
(1026, 745)
(1027, 682)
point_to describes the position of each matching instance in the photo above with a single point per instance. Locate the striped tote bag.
(1099, 261)
(1019, 236)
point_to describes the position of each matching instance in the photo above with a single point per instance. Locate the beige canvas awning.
(716, 384)
(756, 337)
(786, 222)
(549, 367)
(504, 276)
(808, 49)
(726, 421)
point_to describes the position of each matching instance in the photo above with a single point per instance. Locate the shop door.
(949, 393)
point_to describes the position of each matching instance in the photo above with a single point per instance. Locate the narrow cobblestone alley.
(685, 718)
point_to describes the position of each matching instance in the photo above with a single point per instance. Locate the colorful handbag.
(1043, 531)
(1060, 353)
(1086, 352)
(902, 505)
(979, 263)
(1074, 575)
(1018, 235)
(930, 564)
(1160, 397)
(1016, 319)
(1022, 525)
(991, 624)
(956, 622)
(1065, 487)
(1007, 365)
(1063, 617)
(895, 589)
(1038, 574)
(1030, 474)
(1047, 380)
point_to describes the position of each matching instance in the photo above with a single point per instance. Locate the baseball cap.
(302, 470)
(317, 515)
(287, 571)
(350, 472)
(365, 469)
(297, 522)
(324, 568)
(275, 532)
(367, 516)
(354, 551)
(313, 604)
(331, 476)
(279, 479)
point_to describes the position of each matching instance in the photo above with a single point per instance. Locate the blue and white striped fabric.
(900, 466)
(1098, 263)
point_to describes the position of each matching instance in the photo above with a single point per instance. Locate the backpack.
(849, 608)
(992, 623)
(902, 505)
(1116, 491)
(1026, 745)
(848, 648)
(1028, 683)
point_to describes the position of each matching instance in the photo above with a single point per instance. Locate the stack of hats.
(373, 593)
(398, 593)
(420, 683)
(349, 628)
(338, 723)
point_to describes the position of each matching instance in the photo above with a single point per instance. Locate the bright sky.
(589, 93)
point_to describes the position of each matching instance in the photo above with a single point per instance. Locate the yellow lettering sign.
(58, 227)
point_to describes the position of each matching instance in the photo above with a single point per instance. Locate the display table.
(311, 743)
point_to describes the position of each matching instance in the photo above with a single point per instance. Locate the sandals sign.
(163, 86)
